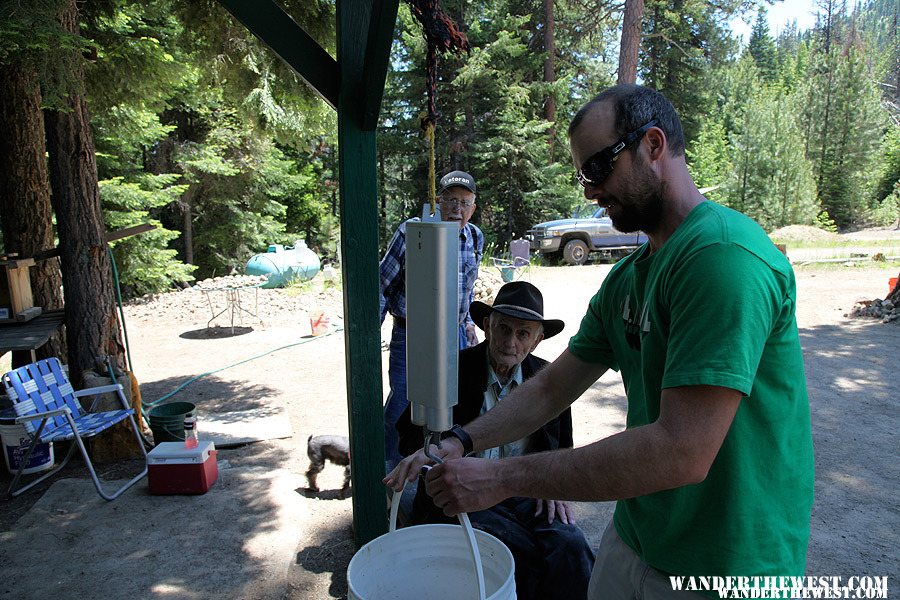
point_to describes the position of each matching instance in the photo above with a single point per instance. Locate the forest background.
(201, 131)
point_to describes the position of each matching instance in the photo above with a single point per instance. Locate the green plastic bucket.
(167, 421)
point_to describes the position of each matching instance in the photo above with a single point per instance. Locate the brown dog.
(333, 448)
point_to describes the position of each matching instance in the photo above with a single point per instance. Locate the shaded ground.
(851, 373)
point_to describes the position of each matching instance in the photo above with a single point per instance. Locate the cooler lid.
(173, 453)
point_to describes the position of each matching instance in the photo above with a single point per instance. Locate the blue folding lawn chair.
(47, 407)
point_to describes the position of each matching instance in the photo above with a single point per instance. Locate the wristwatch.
(464, 438)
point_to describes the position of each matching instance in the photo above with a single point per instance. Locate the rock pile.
(252, 305)
(487, 285)
(879, 309)
(802, 233)
(197, 304)
(231, 282)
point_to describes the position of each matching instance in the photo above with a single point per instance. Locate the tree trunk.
(550, 71)
(91, 324)
(550, 59)
(631, 41)
(828, 7)
(25, 214)
(187, 222)
(382, 197)
(671, 82)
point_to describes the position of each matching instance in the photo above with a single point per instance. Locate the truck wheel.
(575, 252)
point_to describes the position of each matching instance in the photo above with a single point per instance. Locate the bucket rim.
(168, 409)
(433, 528)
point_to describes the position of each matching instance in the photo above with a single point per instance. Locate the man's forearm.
(675, 450)
(628, 464)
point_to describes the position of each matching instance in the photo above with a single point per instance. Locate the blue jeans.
(553, 560)
(397, 400)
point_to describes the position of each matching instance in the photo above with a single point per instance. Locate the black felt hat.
(520, 300)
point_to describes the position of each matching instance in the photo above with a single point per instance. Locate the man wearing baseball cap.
(456, 197)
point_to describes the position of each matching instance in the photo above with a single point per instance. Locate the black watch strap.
(464, 438)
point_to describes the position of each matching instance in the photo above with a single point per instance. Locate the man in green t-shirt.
(714, 472)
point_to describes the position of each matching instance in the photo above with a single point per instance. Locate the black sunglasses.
(598, 167)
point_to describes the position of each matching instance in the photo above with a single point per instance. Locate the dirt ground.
(851, 369)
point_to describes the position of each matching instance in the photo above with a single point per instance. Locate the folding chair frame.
(516, 266)
(76, 438)
(510, 270)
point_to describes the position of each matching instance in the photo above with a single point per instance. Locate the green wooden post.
(355, 84)
(359, 256)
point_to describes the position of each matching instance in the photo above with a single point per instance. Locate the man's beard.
(641, 207)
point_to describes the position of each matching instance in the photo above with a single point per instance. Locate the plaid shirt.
(393, 272)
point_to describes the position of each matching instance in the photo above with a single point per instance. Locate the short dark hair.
(634, 106)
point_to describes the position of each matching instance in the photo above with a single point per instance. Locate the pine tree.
(738, 81)
(91, 325)
(762, 48)
(685, 42)
(130, 84)
(709, 160)
(772, 180)
(845, 122)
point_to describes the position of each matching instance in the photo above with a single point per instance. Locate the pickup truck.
(584, 233)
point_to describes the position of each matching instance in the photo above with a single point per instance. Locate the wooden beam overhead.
(377, 58)
(277, 30)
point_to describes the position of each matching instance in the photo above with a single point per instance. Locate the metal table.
(233, 303)
(32, 334)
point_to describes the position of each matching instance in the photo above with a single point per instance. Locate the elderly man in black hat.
(553, 559)
(456, 197)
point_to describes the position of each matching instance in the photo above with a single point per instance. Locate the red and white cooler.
(174, 469)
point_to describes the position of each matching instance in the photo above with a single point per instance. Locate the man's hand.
(465, 485)
(556, 508)
(409, 467)
(471, 336)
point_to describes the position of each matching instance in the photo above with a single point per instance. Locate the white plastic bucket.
(15, 446)
(430, 561)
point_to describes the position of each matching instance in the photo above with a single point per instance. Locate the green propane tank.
(283, 264)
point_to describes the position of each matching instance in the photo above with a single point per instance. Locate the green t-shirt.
(713, 306)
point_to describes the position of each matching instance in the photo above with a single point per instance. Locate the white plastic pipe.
(470, 538)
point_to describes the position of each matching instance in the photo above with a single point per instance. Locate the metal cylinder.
(432, 327)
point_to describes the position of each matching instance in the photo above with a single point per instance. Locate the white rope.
(470, 538)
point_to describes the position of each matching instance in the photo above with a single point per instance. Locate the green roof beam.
(267, 21)
(378, 54)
